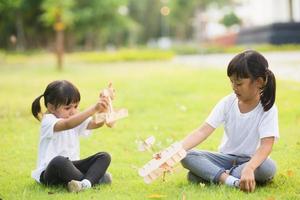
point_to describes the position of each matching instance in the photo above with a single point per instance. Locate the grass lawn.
(163, 100)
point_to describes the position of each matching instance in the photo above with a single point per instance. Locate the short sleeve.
(47, 125)
(269, 123)
(216, 116)
(82, 128)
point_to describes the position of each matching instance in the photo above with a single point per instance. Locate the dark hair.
(253, 65)
(57, 93)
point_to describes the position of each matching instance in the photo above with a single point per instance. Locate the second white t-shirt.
(243, 131)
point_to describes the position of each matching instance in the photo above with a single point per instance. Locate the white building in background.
(251, 12)
(264, 12)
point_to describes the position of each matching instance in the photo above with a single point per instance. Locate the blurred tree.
(11, 11)
(20, 20)
(98, 22)
(91, 24)
(230, 19)
(183, 12)
(147, 14)
(59, 15)
(179, 22)
(181, 18)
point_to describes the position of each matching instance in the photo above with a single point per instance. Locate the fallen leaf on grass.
(270, 198)
(290, 173)
(156, 196)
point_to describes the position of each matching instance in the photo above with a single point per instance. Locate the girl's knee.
(58, 161)
(186, 160)
(104, 156)
(191, 157)
(266, 171)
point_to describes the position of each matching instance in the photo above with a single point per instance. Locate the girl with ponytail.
(61, 125)
(250, 121)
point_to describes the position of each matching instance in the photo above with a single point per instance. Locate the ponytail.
(251, 64)
(57, 93)
(268, 93)
(36, 107)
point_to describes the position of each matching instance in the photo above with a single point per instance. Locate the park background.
(167, 60)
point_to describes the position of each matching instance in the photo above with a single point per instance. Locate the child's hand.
(247, 181)
(102, 104)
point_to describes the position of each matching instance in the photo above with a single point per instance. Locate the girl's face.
(246, 89)
(64, 111)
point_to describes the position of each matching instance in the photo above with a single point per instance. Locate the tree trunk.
(20, 42)
(60, 48)
(88, 42)
(59, 28)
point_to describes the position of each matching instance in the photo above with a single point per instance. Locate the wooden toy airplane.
(163, 162)
(146, 145)
(111, 115)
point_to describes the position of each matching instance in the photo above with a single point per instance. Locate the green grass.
(122, 55)
(155, 94)
(213, 48)
(117, 55)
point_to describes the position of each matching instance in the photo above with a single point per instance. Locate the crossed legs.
(61, 170)
(209, 166)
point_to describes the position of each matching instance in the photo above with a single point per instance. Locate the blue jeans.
(208, 166)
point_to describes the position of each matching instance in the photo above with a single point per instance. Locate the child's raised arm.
(78, 118)
(197, 136)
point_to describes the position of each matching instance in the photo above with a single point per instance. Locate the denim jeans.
(208, 166)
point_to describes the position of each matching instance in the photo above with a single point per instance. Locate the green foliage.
(93, 24)
(181, 14)
(121, 55)
(99, 22)
(230, 19)
(147, 14)
(9, 4)
(57, 8)
(154, 93)
(20, 18)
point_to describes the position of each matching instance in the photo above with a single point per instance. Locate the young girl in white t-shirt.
(61, 125)
(250, 121)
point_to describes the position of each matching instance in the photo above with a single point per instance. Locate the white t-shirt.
(243, 131)
(52, 144)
